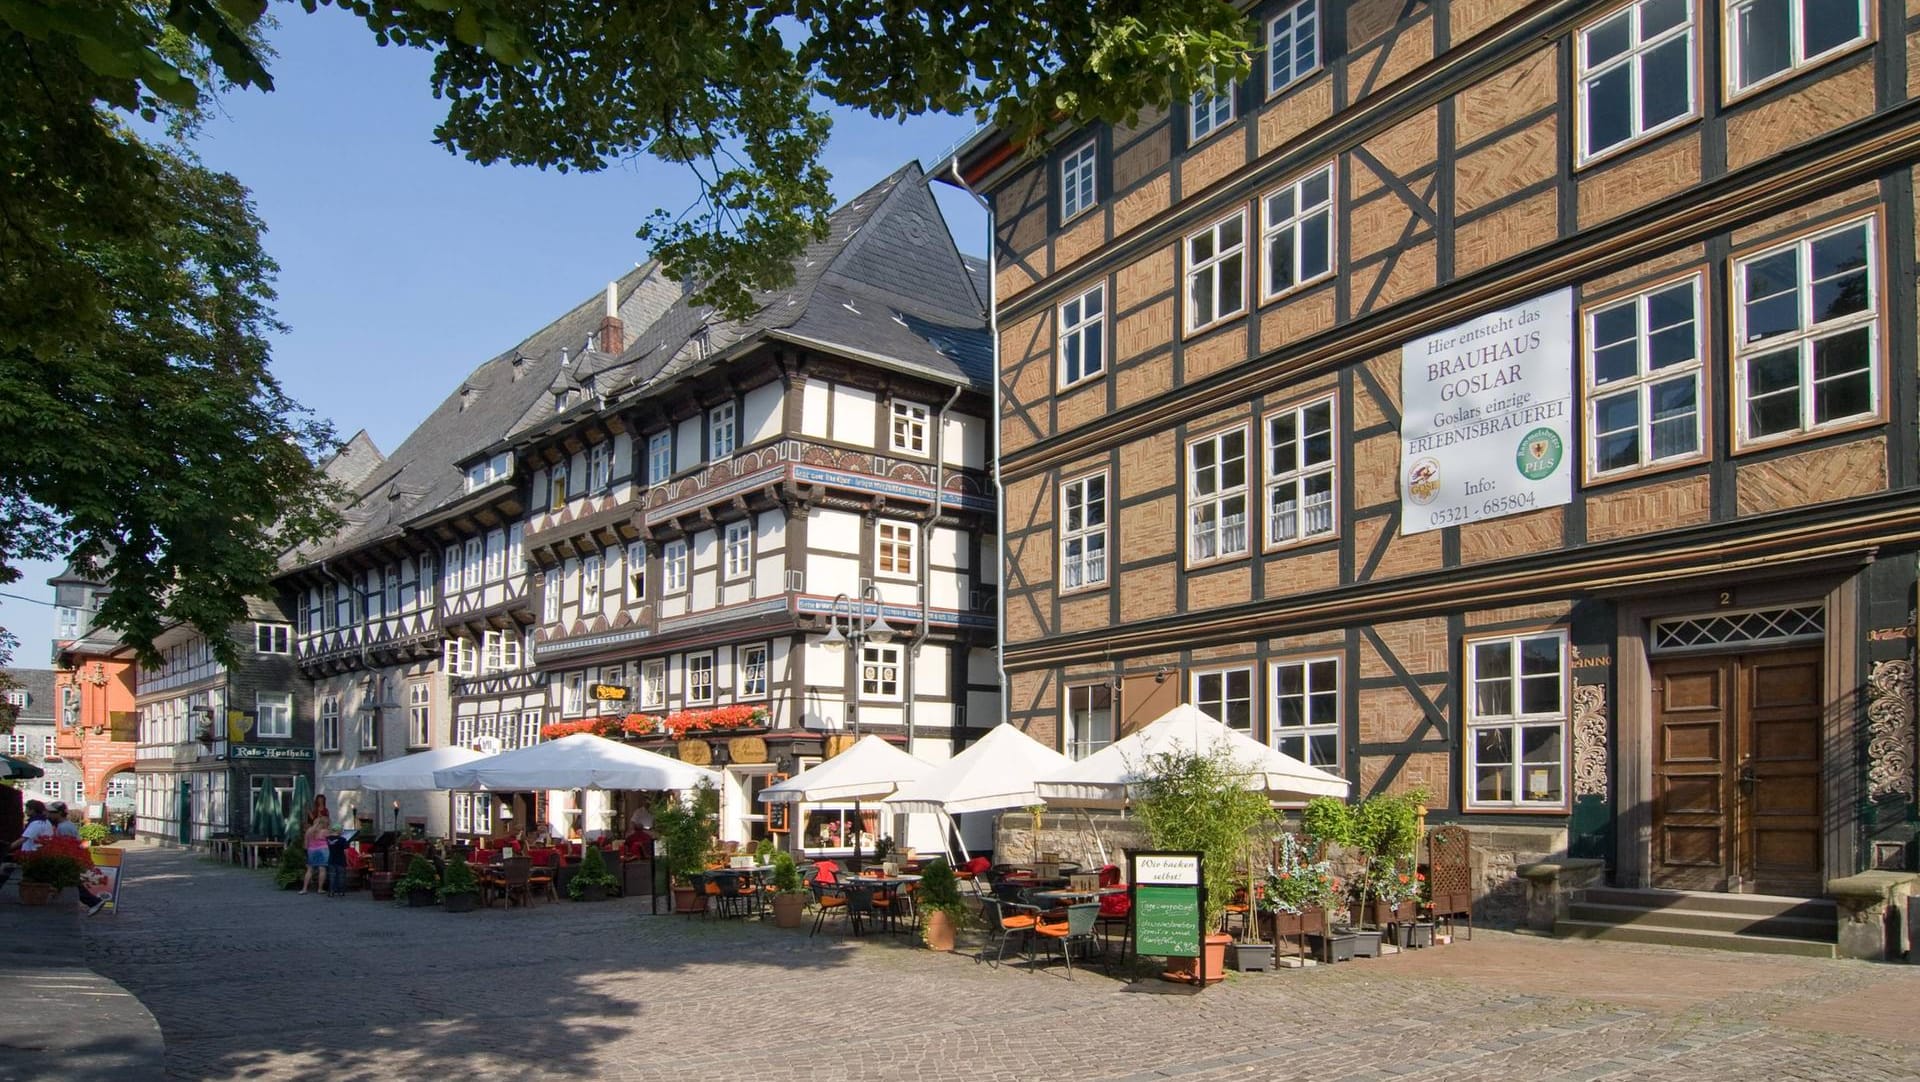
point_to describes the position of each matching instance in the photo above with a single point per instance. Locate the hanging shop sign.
(1487, 417)
(695, 752)
(609, 693)
(746, 750)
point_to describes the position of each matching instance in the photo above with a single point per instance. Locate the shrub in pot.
(1384, 833)
(420, 886)
(1195, 802)
(292, 867)
(789, 895)
(458, 890)
(686, 830)
(57, 864)
(939, 898)
(590, 883)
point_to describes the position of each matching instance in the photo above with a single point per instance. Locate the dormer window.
(482, 474)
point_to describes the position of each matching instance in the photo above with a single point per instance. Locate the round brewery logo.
(1539, 454)
(1423, 481)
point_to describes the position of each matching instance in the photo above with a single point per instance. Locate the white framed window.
(419, 714)
(373, 598)
(1300, 473)
(659, 457)
(908, 433)
(636, 572)
(1293, 45)
(550, 598)
(425, 580)
(1767, 39)
(893, 545)
(1807, 335)
(880, 671)
(17, 743)
(1516, 721)
(1226, 695)
(557, 490)
(1217, 496)
(1083, 532)
(271, 638)
(1089, 722)
(496, 555)
(460, 657)
(496, 468)
(1079, 188)
(330, 724)
(738, 548)
(752, 672)
(1083, 336)
(1306, 710)
(368, 722)
(1217, 272)
(491, 654)
(573, 695)
(720, 431)
(700, 677)
(1296, 233)
(1208, 112)
(590, 583)
(274, 711)
(516, 550)
(653, 682)
(673, 566)
(474, 564)
(529, 728)
(391, 581)
(1643, 372)
(1636, 74)
(50, 747)
(600, 466)
(54, 788)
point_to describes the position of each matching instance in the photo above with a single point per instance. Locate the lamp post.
(859, 631)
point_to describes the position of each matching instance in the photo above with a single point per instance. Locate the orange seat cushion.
(1057, 931)
(1013, 923)
(831, 903)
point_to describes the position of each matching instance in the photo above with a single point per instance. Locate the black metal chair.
(827, 898)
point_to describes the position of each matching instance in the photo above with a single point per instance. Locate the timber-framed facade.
(1687, 668)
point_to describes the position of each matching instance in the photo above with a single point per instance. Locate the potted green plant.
(686, 830)
(939, 899)
(590, 883)
(58, 863)
(883, 854)
(420, 886)
(292, 867)
(789, 894)
(1386, 828)
(458, 890)
(1195, 802)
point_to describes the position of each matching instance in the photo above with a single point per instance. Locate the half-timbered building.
(1514, 400)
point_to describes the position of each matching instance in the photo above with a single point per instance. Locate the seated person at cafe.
(638, 844)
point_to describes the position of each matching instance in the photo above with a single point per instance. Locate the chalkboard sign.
(1167, 909)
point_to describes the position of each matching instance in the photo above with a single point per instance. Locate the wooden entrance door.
(1736, 773)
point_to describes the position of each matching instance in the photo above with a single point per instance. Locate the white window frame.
(1635, 55)
(368, 719)
(1079, 180)
(1517, 720)
(573, 695)
(1279, 481)
(591, 575)
(330, 723)
(1215, 702)
(557, 493)
(1809, 334)
(1208, 513)
(1799, 59)
(751, 672)
(723, 436)
(460, 657)
(1642, 383)
(881, 669)
(550, 597)
(390, 583)
(653, 682)
(1289, 22)
(907, 434)
(1274, 226)
(1311, 702)
(1084, 550)
(1083, 324)
(279, 706)
(516, 550)
(659, 457)
(600, 466)
(700, 677)
(636, 571)
(673, 567)
(737, 550)
(1225, 262)
(271, 638)
(473, 564)
(1209, 111)
(496, 549)
(1075, 741)
(895, 541)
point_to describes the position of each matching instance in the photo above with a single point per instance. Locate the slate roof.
(38, 684)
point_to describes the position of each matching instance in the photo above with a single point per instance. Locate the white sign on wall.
(1486, 424)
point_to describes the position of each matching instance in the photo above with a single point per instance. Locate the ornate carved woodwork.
(1890, 732)
(1590, 740)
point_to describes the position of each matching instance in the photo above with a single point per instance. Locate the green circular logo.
(1538, 454)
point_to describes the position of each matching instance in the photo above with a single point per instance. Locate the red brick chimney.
(613, 333)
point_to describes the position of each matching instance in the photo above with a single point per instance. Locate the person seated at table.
(638, 844)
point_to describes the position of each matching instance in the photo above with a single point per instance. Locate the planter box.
(420, 899)
(1414, 935)
(1311, 921)
(1250, 957)
(1366, 944)
(592, 892)
(1383, 914)
(463, 902)
(1334, 947)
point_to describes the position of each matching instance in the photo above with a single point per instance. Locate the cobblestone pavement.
(251, 982)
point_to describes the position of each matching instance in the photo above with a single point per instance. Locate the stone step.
(1674, 937)
(1790, 926)
(1757, 905)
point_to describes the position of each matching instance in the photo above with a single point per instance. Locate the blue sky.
(402, 266)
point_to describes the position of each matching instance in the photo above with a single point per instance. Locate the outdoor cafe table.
(255, 852)
(760, 874)
(876, 883)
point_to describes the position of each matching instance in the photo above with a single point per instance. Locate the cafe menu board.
(1167, 910)
(103, 879)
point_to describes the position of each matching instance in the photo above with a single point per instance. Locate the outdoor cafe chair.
(513, 880)
(860, 907)
(827, 898)
(732, 897)
(1077, 928)
(1010, 921)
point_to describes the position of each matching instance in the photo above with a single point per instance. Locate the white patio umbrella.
(409, 773)
(997, 772)
(871, 769)
(1110, 777)
(580, 761)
